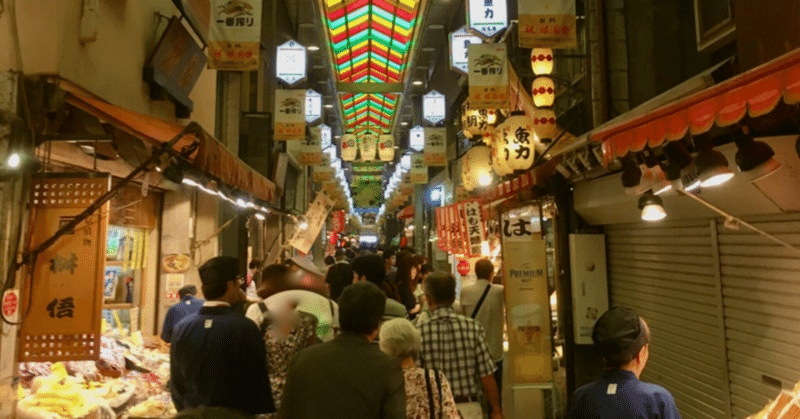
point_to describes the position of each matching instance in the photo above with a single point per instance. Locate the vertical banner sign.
(488, 76)
(234, 37)
(487, 17)
(434, 107)
(475, 231)
(310, 153)
(419, 171)
(315, 217)
(338, 221)
(290, 62)
(436, 146)
(463, 236)
(452, 223)
(547, 24)
(441, 240)
(313, 106)
(460, 40)
(326, 138)
(66, 291)
(527, 301)
(290, 122)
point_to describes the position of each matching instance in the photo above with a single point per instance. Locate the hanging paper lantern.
(543, 92)
(476, 168)
(349, 148)
(386, 147)
(542, 61)
(368, 145)
(498, 152)
(488, 138)
(519, 141)
(544, 123)
(476, 122)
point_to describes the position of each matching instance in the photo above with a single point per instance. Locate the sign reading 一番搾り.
(419, 171)
(310, 153)
(435, 147)
(547, 24)
(234, 37)
(290, 122)
(488, 76)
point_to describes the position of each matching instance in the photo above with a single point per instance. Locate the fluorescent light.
(14, 160)
(369, 239)
(260, 216)
(417, 82)
(328, 106)
(404, 123)
(312, 48)
(241, 203)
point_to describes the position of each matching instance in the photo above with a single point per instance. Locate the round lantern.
(543, 92)
(349, 147)
(466, 179)
(544, 123)
(368, 145)
(519, 141)
(542, 61)
(498, 152)
(477, 168)
(386, 147)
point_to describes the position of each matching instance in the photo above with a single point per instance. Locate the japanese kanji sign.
(310, 153)
(487, 17)
(476, 234)
(416, 138)
(290, 62)
(234, 37)
(460, 40)
(547, 24)
(441, 231)
(434, 107)
(290, 122)
(313, 106)
(488, 76)
(435, 147)
(419, 171)
(67, 285)
(315, 217)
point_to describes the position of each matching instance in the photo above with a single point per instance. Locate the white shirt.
(325, 310)
(491, 315)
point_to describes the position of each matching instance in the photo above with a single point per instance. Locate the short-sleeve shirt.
(619, 394)
(456, 345)
(491, 314)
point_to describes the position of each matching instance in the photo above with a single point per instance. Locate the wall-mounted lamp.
(712, 166)
(652, 207)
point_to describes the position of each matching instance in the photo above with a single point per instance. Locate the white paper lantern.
(519, 141)
(544, 123)
(476, 168)
(368, 145)
(349, 147)
(542, 61)
(497, 155)
(543, 92)
(386, 147)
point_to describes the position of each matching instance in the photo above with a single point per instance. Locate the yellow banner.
(547, 24)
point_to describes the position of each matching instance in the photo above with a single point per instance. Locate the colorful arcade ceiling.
(370, 41)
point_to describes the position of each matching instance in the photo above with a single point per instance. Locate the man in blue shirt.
(622, 339)
(187, 306)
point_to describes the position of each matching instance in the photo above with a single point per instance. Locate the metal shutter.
(761, 288)
(667, 273)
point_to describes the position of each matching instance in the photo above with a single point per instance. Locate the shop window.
(714, 23)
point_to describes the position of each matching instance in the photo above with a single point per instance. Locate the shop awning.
(211, 156)
(754, 93)
(407, 212)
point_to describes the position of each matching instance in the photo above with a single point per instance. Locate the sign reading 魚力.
(487, 17)
(460, 40)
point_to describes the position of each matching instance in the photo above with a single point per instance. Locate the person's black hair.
(404, 265)
(389, 253)
(254, 264)
(187, 290)
(442, 288)
(426, 268)
(341, 254)
(361, 308)
(329, 260)
(484, 269)
(215, 275)
(618, 336)
(370, 266)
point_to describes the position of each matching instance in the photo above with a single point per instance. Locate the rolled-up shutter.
(666, 272)
(761, 288)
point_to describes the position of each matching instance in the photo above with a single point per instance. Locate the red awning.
(406, 212)
(211, 157)
(755, 93)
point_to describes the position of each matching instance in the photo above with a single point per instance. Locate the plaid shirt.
(456, 345)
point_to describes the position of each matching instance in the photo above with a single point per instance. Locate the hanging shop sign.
(66, 293)
(548, 24)
(416, 138)
(290, 123)
(310, 153)
(325, 136)
(368, 146)
(433, 107)
(198, 14)
(234, 38)
(441, 230)
(339, 221)
(527, 301)
(419, 171)
(323, 172)
(315, 219)
(487, 17)
(436, 146)
(313, 106)
(290, 62)
(476, 234)
(518, 139)
(488, 76)
(460, 40)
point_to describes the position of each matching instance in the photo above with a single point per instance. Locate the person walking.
(370, 268)
(457, 345)
(407, 270)
(622, 339)
(217, 358)
(187, 306)
(339, 275)
(428, 393)
(348, 377)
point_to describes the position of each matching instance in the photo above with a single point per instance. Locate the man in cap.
(622, 339)
(217, 358)
(187, 306)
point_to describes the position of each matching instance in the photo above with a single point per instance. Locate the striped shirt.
(456, 345)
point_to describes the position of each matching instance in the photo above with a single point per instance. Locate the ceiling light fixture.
(754, 158)
(417, 83)
(14, 160)
(328, 106)
(712, 166)
(678, 159)
(404, 123)
(655, 172)
(691, 181)
(631, 173)
(652, 207)
(312, 48)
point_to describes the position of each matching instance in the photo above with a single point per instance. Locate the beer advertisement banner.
(315, 217)
(435, 147)
(290, 114)
(527, 305)
(234, 38)
(63, 320)
(310, 153)
(419, 171)
(488, 76)
(475, 230)
(547, 24)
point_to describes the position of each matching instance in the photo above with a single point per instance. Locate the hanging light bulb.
(542, 61)
(14, 160)
(652, 207)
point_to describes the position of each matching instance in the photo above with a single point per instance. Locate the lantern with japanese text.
(518, 141)
(498, 152)
(476, 168)
(386, 147)
(544, 123)
(476, 122)
(368, 145)
(542, 61)
(543, 92)
(349, 147)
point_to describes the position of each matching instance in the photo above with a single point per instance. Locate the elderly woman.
(425, 389)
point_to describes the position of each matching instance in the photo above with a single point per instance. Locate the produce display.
(785, 406)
